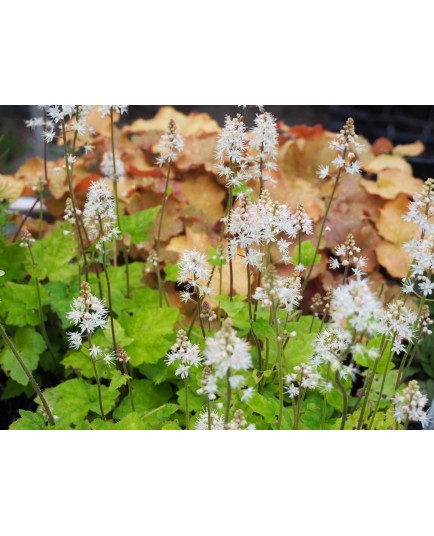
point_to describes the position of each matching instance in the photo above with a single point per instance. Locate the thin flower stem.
(109, 294)
(187, 412)
(252, 332)
(72, 196)
(40, 310)
(41, 214)
(345, 400)
(23, 222)
(160, 227)
(219, 310)
(208, 406)
(115, 188)
(199, 312)
(98, 383)
(29, 375)
(279, 364)
(130, 387)
(324, 406)
(228, 396)
(323, 226)
(383, 347)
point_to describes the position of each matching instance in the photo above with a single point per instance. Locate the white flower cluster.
(108, 170)
(231, 147)
(184, 352)
(88, 313)
(331, 345)
(227, 352)
(118, 108)
(239, 422)
(252, 225)
(26, 239)
(410, 405)
(194, 272)
(217, 421)
(65, 112)
(397, 323)
(347, 146)
(280, 292)
(349, 256)
(99, 215)
(420, 212)
(303, 377)
(171, 145)
(241, 157)
(263, 145)
(356, 306)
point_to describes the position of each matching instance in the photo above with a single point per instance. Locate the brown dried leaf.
(10, 188)
(391, 225)
(391, 182)
(187, 125)
(411, 149)
(198, 151)
(394, 258)
(385, 161)
(204, 200)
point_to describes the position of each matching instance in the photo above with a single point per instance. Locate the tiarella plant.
(228, 328)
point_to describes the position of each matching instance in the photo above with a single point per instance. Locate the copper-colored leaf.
(385, 161)
(393, 258)
(203, 200)
(187, 125)
(411, 149)
(391, 224)
(391, 182)
(10, 188)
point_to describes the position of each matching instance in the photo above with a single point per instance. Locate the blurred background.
(401, 124)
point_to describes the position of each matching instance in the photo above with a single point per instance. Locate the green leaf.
(265, 405)
(139, 224)
(79, 361)
(59, 298)
(20, 304)
(195, 402)
(118, 380)
(28, 421)
(30, 345)
(118, 286)
(74, 399)
(53, 256)
(263, 330)
(171, 426)
(299, 349)
(237, 310)
(147, 396)
(158, 416)
(12, 261)
(130, 422)
(152, 332)
(307, 255)
(214, 258)
(172, 272)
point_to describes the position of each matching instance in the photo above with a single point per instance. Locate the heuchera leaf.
(19, 304)
(139, 224)
(28, 421)
(152, 332)
(307, 255)
(53, 256)
(30, 345)
(74, 399)
(147, 396)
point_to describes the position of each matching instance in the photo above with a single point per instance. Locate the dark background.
(401, 124)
